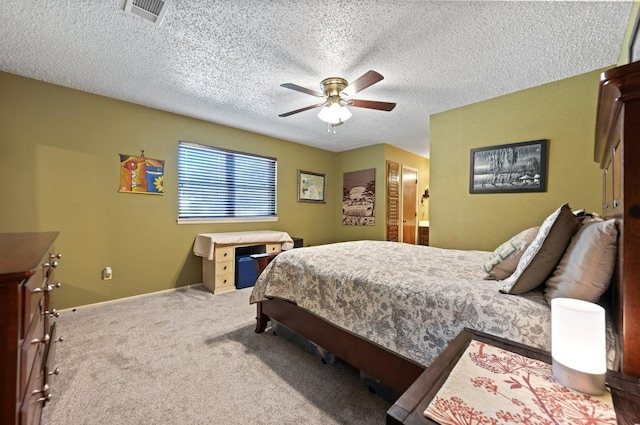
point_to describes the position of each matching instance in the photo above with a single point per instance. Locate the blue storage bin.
(246, 271)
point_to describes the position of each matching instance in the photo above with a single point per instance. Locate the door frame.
(402, 197)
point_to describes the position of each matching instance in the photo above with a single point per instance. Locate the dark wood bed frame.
(617, 149)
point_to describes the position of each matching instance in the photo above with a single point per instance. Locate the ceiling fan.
(336, 93)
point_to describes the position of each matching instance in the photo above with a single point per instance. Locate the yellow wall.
(355, 160)
(375, 157)
(59, 168)
(419, 163)
(563, 112)
(626, 43)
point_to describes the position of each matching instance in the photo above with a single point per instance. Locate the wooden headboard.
(617, 149)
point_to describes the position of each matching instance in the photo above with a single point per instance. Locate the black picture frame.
(312, 187)
(510, 168)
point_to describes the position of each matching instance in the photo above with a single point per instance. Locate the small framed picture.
(516, 167)
(312, 187)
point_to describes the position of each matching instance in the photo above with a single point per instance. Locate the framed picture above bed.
(510, 168)
(311, 187)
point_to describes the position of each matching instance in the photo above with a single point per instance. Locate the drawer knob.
(46, 398)
(52, 313)
(44, 340)
(44, 389)
(49, 288)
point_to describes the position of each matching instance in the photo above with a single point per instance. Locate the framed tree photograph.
(311, 187)
(511, 168)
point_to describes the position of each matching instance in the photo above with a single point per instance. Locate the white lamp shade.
(334, 113)
(578, 342)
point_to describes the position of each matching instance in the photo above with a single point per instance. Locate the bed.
(390, 308)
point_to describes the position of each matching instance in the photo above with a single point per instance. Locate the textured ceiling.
(224, 61)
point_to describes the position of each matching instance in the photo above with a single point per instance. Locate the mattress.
(410, 299)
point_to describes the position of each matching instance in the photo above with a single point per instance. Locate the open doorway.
(409, 204)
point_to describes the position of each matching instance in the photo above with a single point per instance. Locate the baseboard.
(128, 298)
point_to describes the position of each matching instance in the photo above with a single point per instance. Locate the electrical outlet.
(107, 273)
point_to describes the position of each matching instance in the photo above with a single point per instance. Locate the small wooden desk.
(218, 252)
(409, 408)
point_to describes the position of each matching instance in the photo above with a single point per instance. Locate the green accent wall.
(563, 112)
(59, 170)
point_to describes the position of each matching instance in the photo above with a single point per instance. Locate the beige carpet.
(191, 357)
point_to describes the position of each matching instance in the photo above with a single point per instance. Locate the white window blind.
(216, 183)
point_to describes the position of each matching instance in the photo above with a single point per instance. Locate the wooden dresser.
(28, 330)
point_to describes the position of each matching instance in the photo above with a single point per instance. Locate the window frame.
(230, 219)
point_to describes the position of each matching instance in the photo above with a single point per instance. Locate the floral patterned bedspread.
(410, 299)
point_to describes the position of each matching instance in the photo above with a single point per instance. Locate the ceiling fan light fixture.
(334, 113)
(337, 93)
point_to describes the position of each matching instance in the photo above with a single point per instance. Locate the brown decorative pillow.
(585, 270)
(544, 253)
(504, 260)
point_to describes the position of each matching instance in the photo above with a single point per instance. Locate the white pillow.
(585, 270)
(503, 261)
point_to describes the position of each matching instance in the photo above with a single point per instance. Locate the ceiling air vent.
(151, 10)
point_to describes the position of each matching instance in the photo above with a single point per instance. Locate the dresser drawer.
(33, 290)
(39, 387)
(224, 253)
(225, 268)
(50, 368)
(32, 347)
(34, 397)
(224, 283)
(273, 247)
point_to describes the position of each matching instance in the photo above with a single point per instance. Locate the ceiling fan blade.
(286, 114)
(301, 89)
(371, 104)
(367, 79)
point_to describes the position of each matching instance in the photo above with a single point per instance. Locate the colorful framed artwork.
(312, 187)
(511, 168)
(139, 174)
